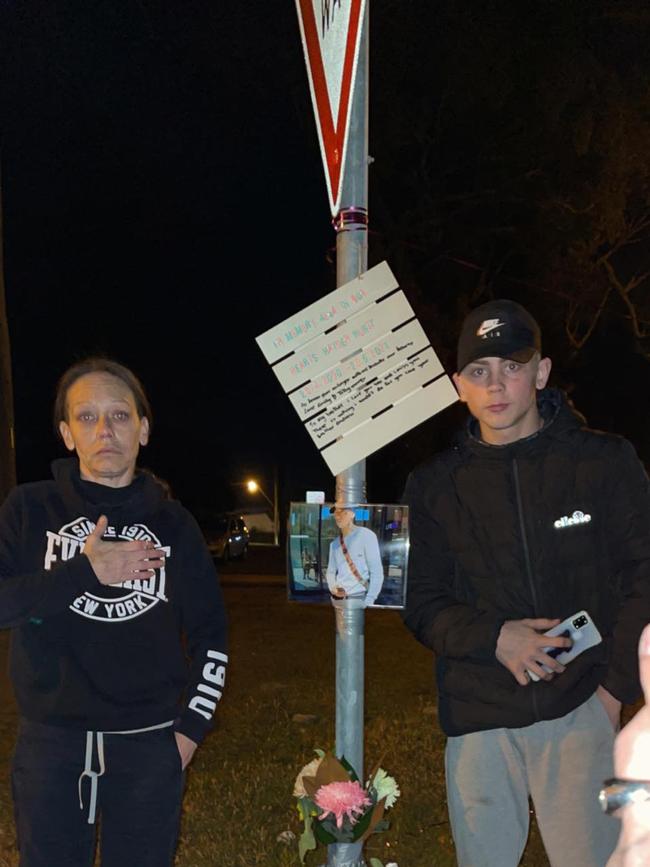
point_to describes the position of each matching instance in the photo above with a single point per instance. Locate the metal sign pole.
(351, 225)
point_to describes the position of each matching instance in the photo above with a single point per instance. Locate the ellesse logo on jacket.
(577, 517)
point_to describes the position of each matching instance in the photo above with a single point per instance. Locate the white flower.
(308, 771)
(386, 787)
(285, 837)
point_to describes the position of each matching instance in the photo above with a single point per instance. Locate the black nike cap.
(502, 329)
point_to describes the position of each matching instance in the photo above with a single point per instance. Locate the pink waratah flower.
(342, 799)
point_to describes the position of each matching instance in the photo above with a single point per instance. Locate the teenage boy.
(529, 518)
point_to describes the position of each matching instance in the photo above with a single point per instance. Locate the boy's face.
(501, 394)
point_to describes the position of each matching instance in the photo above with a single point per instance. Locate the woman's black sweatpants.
(59, 791)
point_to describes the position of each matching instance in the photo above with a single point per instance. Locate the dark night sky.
(163, 203)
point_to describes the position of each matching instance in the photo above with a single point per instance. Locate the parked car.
(229, 538)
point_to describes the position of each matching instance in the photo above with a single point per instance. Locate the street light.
(255, 488)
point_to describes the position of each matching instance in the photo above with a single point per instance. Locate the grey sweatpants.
(560, 764)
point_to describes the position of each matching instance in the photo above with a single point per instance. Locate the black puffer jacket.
(486, 548)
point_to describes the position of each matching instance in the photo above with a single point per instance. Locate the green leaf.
(375, 862)
(328, 824)
(307, 840)
(306, 807)
(345, 835)
(322, 835)
(361, 826)
(376, 816)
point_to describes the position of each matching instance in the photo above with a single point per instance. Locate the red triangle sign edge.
(333, 136)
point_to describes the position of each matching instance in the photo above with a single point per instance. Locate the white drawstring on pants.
(95, 775)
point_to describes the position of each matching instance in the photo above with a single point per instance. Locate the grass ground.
(238, 800)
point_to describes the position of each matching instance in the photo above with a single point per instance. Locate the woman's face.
(103, 426)
(344, 519)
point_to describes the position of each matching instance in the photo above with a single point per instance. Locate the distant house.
(259, 523)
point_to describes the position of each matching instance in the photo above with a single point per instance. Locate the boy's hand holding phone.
(523, 646)
(582, 633)
(533, 654)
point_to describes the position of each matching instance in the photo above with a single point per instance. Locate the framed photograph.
(348, 550)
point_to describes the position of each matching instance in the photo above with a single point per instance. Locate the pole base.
(345, 864)
(345, 855)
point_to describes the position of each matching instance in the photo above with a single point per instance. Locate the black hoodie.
(109, 658)
(542, 527)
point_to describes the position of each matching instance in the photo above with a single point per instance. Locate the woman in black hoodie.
(118, 649)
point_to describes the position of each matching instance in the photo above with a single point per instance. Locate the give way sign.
(331, 33)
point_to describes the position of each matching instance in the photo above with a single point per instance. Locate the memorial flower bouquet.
(333, 805)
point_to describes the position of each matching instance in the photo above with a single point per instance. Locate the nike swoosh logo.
(488, 326)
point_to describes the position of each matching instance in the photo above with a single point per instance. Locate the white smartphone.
(581, 629)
